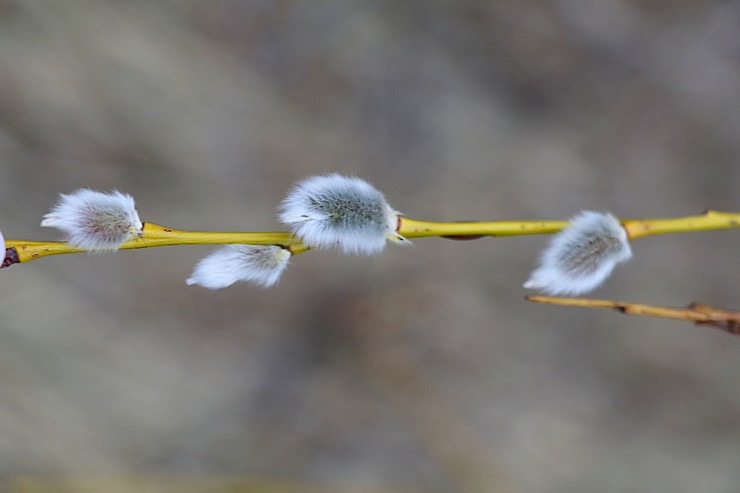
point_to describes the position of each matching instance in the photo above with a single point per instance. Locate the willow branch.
(699, 313)
(155, 235)
(415, 228)
(709, 220)
(636, 228)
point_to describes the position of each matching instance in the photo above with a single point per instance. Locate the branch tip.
(11, 257)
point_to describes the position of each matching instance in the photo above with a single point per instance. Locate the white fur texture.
(260, 264)
(581, 256)
(95, 220)
(335, 210)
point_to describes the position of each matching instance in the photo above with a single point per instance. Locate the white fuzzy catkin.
(581, 256)
(335, 210)
(259, 264)
(95, 220)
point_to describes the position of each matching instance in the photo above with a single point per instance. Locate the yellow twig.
(636, 228)
(155, 235)
(709, 220)
(415, 228)
(699, 313)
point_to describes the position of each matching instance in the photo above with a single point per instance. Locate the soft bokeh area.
(419, 370)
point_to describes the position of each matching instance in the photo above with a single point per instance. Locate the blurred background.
(419, 370)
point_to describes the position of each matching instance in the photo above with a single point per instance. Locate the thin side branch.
(699, 313)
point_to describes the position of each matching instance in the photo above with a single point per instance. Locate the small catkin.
(335, 210)
(581, 256)
(95, 220)
(259, 264)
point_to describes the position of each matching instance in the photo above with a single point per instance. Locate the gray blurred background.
(422, 369)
